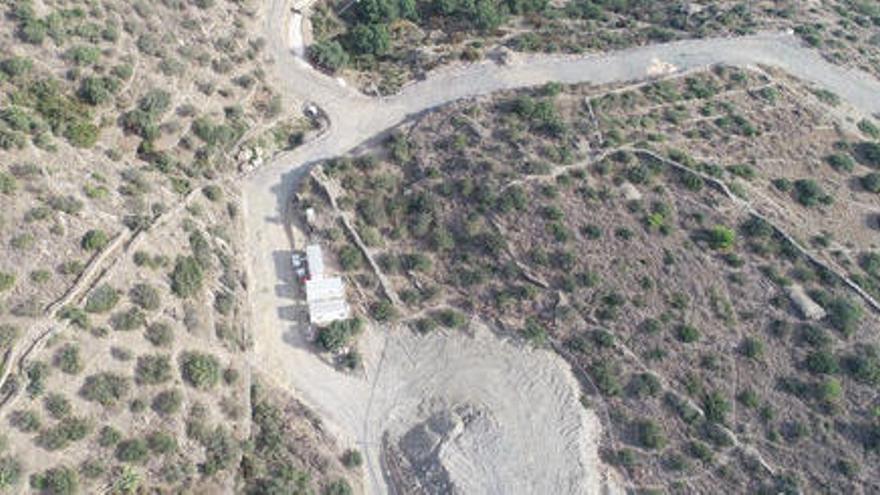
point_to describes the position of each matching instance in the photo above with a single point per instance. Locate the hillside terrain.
(677, 276)
(670, 239)
(383, 44)
(123, 126)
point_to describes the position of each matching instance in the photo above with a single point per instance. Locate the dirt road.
(530, 435)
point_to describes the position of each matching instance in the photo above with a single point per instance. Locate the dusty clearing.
(502, 447)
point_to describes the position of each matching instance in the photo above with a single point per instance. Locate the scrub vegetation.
(384, 43)
(653, 235)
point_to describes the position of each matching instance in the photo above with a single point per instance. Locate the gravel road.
(534, 437)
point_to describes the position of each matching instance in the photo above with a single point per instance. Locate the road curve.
(279, 348)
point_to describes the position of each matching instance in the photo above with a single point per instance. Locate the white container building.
(325, 296)
(315, 261)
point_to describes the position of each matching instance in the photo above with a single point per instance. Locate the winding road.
(400, 368)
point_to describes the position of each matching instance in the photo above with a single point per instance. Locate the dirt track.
(533, 436)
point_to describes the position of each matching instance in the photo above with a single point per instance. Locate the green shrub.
(67, 204)
(752, 348)
(821, 361)
(10, 472)
(67, 431)
(350, 258)
(159, 334)
(808, 193)
(841, 162)
(155, 102)
(425, 325)
(59, 480)
(756, 227)
(864, 365)
(161, 442)
(37, 373)
(370, 39)
(224, 302)
(534, 332)
(7, 280)
(869, 128)
(844, 315)
(40, 276)
(450, 318)
(98, 90)
(167, 402)
(687, 334)
(94, 240)
(829, 391)
(701, 451)
(105, 388)
(417, 262)
(146, 296)
(186, 279)
(68, 359)
(153, 369)
(328, 54)
(128, 320)
(868, 153)
(339, 334)
(26, 421)
(102, 299)
(8, 335)
(133, 450)
(82, 134)
(83, 55)
(109, 436)
(221, 451)
(748, 398)
(715, 407)
(338, 487)
(213, 192)
(16, 66)
(8, 184)
(644, 385)
(383, 311)
(871, 182)
(649, 434)
(352, 458)
(721, 237)
(200, 370)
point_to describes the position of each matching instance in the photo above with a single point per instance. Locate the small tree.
(329, 54)
(102, 299)
(808, 193)
(715, 407)
(186, 279)
(68, 359)
(10, 472)
(167, 402)
(105, 388)
(650, 435)
(350, 258)
(200, 370)
(60, 480)
(153, 369)
(721, 237)
(134, 450)
(871, 182)
(688, 334)
(844, 315)
(146, 296)
(383, 311)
